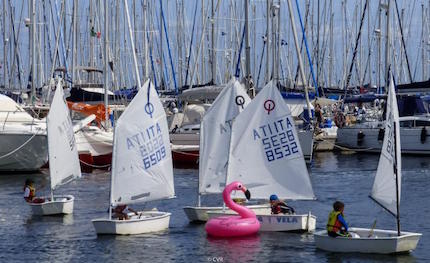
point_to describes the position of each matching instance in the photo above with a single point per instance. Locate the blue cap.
(273, 197)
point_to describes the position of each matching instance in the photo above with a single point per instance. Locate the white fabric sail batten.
(142, 167)
(265, 153)
(215, 133)
(384, 185)
(63, 155)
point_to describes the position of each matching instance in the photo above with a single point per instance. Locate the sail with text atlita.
(265, 152)
(142, 169)
(265, 155)
(63, 156)
(385, 192)
(215, 133)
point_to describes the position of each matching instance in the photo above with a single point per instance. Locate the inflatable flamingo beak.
(247, 193)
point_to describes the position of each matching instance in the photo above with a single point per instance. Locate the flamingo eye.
(239, 186)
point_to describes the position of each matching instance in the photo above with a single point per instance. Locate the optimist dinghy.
(142, 168)
(63, 157)
(265, 155)
(386, 193)
(215, 136)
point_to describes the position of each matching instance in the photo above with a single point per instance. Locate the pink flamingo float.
(234, 226)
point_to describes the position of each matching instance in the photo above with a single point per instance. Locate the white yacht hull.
(381, 241)
(187, 138)
(145, 222)
(293, 223)
(23, 151)
(202, 213)
(94, 140)
(410, 139)
(62, 204)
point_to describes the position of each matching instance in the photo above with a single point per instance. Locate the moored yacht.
(368, 136)
(22, 138)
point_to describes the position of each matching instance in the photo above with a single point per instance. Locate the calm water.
(347, 177)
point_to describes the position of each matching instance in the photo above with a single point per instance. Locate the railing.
(33, 123)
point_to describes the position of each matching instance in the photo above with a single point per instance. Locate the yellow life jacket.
(333, 225)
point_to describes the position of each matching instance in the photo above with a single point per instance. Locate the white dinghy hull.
(145, 222)
(380, 242)
(201, 213)
(62, 204)
(284, 223)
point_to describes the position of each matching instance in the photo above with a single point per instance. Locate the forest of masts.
(193, 42)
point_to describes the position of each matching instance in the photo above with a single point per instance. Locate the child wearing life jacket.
(120, 212)
(336, 225)
(279, 207)
(30, 192)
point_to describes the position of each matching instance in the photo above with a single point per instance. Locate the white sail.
(215, 132)
(384, 186)
(265, 151)
(63, 155)
(142, 167)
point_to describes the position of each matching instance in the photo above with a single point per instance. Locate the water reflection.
(240, 249)
(357, 257)
(62, 219)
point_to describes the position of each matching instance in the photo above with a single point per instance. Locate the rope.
(185, 153)
(17, 149)
(346, 148)
(95, 166)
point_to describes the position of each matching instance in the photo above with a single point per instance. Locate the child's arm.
(342, 221)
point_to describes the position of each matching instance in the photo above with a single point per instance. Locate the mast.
(145, 41)
(33, 50)
(278, 42)
(117, 69)
(272, 16)
(132, 44)
(330, 74)
(403, 40)
(318, 45)
(423, 52)
(50, 167)
(91, 79)
(74, 33)
(387, 44)
(213, 41)
(397, 178)
(202, 63)
(369, 59)
(4, 45)
(57, 40)
(106, 60)
(162, 85)
(302, 72)
(268, 7)
(247, 51)
(379, 35)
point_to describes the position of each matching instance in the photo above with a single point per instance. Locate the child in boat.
(120, 212)
(336, 225)
(279, 207)
(30, 192)
(239, 201)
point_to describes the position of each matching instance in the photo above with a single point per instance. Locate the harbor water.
(335, 176)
